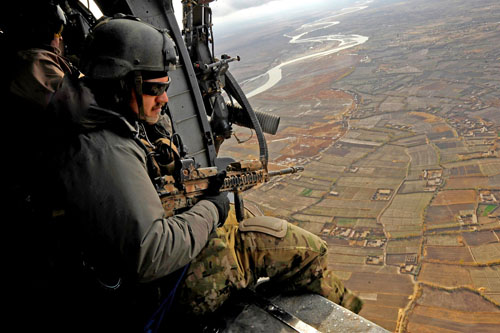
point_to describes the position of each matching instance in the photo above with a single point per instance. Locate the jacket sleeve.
(39, 75)
(122, 216)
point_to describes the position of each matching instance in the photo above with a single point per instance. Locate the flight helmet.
(121, 45)
(127, 49)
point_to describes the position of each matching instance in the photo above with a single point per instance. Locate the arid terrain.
(398, 136)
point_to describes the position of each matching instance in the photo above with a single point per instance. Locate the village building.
(382, 194)
(374, 260)
(467, 217)
(375, 243)
(487, 196)
(406, 269)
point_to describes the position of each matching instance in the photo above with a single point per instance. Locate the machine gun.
(186, 187)
(214, 78)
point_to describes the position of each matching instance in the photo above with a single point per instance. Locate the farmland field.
(457, 254)
(445, 275)
(369, 182)
(485, 253)
(484, 209)
(462, 310)
(404, 246)
(487, 278)
(479, 237)
(380, 283)
(437, 216)
(455, 197)
(353, 193)
(490, 167)
(404, 217)
(411, 141)
(423, 156)
(346, 208)
(443, 240)
(468, 183)
(411, 186)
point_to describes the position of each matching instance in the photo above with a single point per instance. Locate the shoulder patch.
(266, 224)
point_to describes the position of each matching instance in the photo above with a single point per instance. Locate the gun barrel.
(220, 62)
(286, 171)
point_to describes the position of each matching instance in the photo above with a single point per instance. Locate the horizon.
(232, 17)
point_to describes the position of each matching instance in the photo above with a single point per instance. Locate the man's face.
(152, 104)
(58, 43)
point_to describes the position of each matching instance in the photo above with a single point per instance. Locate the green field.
(306, 192)
(488, 209)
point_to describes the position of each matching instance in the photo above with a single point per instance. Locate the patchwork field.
(479, 237)
(454, 310)
(404, 217)
(448, 254)
(445, 275)
(446, 198)
(392, 289)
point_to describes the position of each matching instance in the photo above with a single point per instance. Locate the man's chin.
(151, 120)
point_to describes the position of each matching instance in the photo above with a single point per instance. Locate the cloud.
(236, 11)
(225, 11)
(226, 7)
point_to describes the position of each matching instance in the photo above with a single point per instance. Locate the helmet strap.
(138, 93)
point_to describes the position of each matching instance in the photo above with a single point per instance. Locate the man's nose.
(163, 98)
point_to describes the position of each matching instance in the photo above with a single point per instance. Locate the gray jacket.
(111, 197)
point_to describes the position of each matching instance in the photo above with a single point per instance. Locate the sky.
(93, 8)
(231, 12)
(232, 16)
(237, 9)
(234, 12)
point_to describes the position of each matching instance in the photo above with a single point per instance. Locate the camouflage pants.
(235, 259)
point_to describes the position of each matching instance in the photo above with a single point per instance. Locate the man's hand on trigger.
(221, 201)
(216, 183)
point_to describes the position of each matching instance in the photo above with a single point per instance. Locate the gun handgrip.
(239, 206)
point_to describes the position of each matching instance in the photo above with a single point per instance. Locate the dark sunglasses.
(155, 88)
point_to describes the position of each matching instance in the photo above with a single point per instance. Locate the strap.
(153, 169)
(138, 93)
(156, 319)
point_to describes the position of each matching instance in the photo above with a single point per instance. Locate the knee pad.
(266, 224)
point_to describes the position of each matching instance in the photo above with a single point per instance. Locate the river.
(344, 42)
